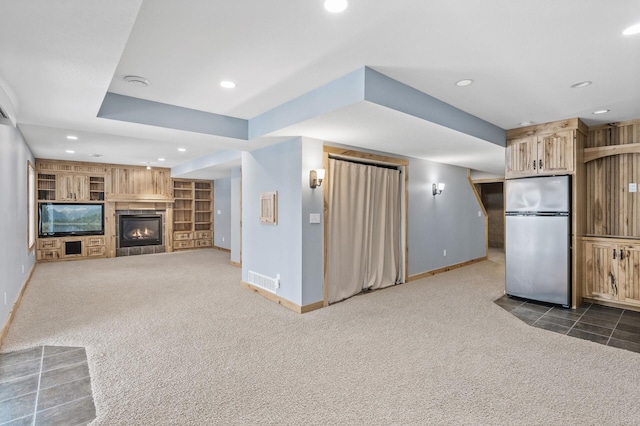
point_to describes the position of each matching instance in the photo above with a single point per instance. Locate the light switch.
(633, 187)
(314, 218)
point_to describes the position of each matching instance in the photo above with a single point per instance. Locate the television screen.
(62, 219)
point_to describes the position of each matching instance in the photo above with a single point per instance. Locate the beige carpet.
(173, 339)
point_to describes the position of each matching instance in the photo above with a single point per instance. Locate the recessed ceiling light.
(336, 6)
(465, 82)
(181, 149)
(601, 111)
(581, 84)
(137, 81)
(73, 138)
(634, 29)
(227, 84)
(70, 151)
(526, 123)
(160, 159)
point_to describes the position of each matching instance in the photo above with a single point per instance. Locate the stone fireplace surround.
(134, 251)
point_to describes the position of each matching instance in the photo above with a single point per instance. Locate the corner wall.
(274, 250)
(222, 213)
(236, 216)
(16, 260)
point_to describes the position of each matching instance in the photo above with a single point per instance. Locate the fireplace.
(140, 230)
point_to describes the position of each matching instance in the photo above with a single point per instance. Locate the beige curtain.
(364, 229)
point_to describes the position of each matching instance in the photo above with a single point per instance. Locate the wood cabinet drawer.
(203, 234)
(96, 251)
(48, 254)
(183, 244)
(49, 244)
(94, 241)
(180, 236)
(204, 243)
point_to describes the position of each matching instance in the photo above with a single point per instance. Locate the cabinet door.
(64, 187)
(600, 278)
(629, 273)
(72, 188)
(521, 157)
(555, 153)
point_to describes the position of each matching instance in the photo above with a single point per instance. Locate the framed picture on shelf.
(269, 208)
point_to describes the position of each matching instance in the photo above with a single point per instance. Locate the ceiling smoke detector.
(137, 81)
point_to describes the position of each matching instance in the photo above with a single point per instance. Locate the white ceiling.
(59, 59)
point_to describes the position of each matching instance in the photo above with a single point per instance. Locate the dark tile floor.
(47, 385)
(600, 324)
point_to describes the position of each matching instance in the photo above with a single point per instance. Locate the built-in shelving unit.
(192, 214)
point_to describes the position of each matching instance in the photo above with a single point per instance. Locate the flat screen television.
(68, 219)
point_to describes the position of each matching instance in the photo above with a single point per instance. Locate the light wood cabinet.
(69, 181)
(192, 214)
(68, 248)
(612, 270)
(547, 154)
(72, 188)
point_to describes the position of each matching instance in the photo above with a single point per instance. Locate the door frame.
(373, 159)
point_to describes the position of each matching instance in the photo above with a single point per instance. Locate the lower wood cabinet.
(612, 270)
(68, 248)
(188, 240)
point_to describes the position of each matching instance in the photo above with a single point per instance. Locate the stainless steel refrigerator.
(537, 239)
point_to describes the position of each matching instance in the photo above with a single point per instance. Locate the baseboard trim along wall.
(236, 264)
(279, 300)
(222, 249)
(445, 269)
(14, 308)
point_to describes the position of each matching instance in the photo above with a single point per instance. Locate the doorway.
(492, 196)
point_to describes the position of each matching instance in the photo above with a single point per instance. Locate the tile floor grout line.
(67, 403)
(574, 324)
(75, 364)
(65, 352)
(542, 316)
(614, 327)
(35, 408)
(66, 383)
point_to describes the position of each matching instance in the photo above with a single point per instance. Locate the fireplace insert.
(140, 230)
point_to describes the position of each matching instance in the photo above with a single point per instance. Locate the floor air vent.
(263, 281)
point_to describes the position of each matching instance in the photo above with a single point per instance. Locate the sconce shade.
(316, 177)
(437, 188)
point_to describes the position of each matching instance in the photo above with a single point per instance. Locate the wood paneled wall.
(612, 209)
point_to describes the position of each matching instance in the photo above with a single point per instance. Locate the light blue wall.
(222, 213)
(448, 221)
(312, 234)
(274, 249)
(14, 252)
(236, 214)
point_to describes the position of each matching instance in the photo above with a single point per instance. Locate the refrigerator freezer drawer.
(537, 258)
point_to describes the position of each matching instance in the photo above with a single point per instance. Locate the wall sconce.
(316, 177)
(437, 188)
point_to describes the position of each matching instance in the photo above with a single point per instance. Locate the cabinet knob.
(534, 164)
(540, 164)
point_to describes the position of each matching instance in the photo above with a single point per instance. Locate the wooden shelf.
(192, 214)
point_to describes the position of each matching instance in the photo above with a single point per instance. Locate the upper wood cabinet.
(544, 149)
(68, 181)
(543, 154)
